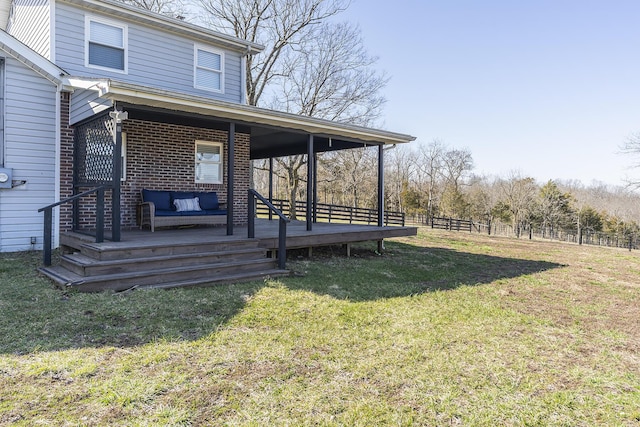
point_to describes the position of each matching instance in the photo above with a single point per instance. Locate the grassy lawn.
(443, 329)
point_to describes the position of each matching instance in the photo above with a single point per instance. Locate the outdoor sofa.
(161, 208)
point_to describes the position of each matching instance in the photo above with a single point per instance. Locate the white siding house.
(31, 87)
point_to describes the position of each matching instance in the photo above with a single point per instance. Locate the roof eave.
(32, 59)
(171, 24)
(135, 94)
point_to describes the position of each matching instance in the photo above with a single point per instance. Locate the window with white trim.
(208, 69)
(209, 164)
(106, 45)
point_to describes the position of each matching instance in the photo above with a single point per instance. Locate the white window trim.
(196, 48)
(125, 42)
(196, 161)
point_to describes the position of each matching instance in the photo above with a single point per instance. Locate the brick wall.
(66, 163)
(160, 156)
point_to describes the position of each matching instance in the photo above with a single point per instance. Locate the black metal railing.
(339, 213)
(48, 220)
(252, 199)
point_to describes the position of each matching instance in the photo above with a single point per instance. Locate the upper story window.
(209, 65)
(106, 45)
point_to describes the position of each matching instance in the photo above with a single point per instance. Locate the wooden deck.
(323, 234)
(194, 256)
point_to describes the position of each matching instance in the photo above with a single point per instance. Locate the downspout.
(243, 76)
(58, 128)
(57, 173)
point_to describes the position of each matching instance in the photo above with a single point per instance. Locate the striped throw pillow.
(187, 204)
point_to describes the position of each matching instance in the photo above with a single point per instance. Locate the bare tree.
(483, 197)
(518, 196)
(276, 24)
(400, 167)
(354, 172)
(329, 75)
(632, 147)
(173, 8)
(430, 171)
(456, 165)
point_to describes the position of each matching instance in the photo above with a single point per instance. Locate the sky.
(546, 88)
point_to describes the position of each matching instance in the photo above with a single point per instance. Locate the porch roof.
(273, 133)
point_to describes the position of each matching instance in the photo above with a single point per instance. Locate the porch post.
(230, 174)
(380, 185)
(310, 173)
(118, 117)
(315, 188)
(270, 186)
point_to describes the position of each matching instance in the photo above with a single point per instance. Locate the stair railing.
(48, 220)
(282, 226)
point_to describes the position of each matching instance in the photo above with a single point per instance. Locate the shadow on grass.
(38, 317)
(404, 270)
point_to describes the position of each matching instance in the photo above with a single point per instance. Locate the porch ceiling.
(273, 133)
(266, 141)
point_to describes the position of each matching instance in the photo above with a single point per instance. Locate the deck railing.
(48, 220)
(252, 199)
(338, 213)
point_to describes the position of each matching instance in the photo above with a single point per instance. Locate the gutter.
(142, 95)
(156, 20)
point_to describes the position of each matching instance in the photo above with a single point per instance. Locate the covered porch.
(146, 139)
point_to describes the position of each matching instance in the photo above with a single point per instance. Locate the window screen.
(106, 45)
(208, 70)
(208, 162)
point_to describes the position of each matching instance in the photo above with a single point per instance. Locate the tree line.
(424, 180)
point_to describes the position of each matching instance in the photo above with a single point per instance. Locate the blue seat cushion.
(160, 199)
(214, 211)
(164, 212)
(208, 200)
(191, 213)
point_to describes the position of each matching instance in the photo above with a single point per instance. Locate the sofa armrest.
(147, 214)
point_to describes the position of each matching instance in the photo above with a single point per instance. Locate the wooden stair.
(96, 267)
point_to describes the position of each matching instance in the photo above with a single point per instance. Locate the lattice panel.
(94, 148)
